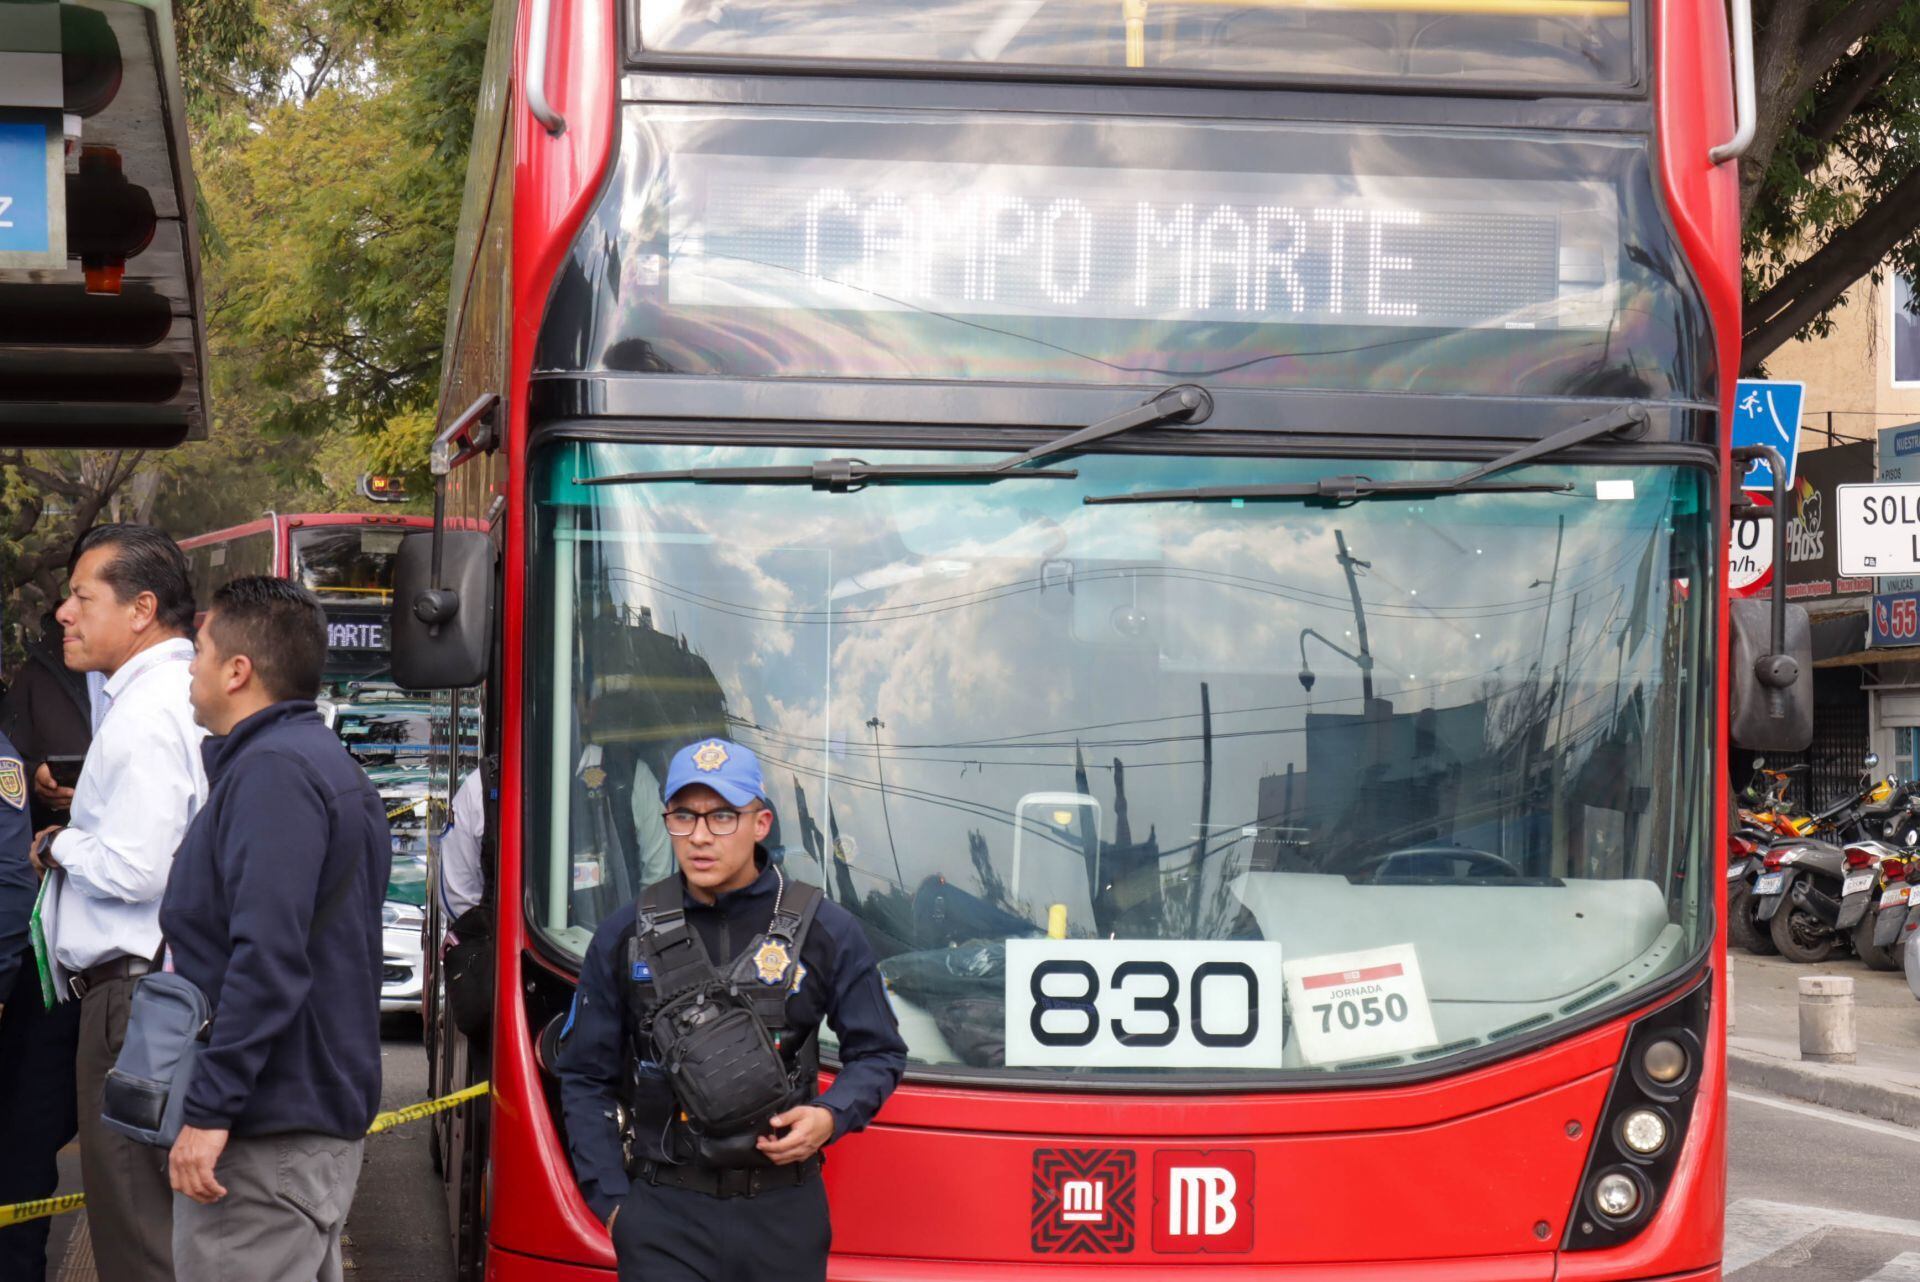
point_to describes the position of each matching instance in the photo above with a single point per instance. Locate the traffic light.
(109, 220)
(90, 68)
(101, 311)
(384, 489)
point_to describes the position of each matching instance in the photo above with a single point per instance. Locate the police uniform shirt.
(18, 882)
(840, 982)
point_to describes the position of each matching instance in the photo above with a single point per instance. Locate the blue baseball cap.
(720, 764)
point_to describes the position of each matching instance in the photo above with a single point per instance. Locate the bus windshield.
(1573, 43)
(1076, 768)
(346, 562)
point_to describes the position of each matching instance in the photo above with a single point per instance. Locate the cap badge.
(770, 961)
(709, 757)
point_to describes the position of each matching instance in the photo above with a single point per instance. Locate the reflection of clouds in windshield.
(970, 647)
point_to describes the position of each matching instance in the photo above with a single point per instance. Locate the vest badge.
(770, 961)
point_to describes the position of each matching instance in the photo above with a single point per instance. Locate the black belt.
(745, 1182)
(107, 971)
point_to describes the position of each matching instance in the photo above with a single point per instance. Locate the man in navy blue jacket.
(273, 910)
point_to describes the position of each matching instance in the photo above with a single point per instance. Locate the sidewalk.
(1763, 1047)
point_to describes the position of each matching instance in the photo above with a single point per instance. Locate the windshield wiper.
(1183, 404)
(1627, 420)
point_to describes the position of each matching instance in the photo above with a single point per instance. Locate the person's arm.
(872, 1054)
(145, 790)
(592, 1061)
(269, 846)
(18, 886)
(462, 880)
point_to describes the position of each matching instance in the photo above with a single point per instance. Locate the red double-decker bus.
(346, 558)
(1211, 516)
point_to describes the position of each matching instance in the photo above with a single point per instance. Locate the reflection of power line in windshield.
(913, 611)
(1028, 739)
(979, 810)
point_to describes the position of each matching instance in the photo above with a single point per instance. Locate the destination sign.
(357, 631)
(1316, 249)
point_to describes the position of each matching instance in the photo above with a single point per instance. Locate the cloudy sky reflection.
(913, 662)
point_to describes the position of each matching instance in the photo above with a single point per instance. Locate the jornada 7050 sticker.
(1360, 1005)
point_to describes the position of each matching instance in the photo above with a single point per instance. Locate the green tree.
(331, 149)
(1830, 190)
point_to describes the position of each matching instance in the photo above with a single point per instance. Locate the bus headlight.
(1644, 1132)
(1616, 1196)
(1665, 1062)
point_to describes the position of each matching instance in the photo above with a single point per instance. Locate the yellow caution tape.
(40, 1210)
(50, 1206)
(414, 1112)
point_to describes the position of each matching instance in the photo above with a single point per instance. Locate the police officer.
(36, 1043)
(698, 1200)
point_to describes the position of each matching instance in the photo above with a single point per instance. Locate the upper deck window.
(1574, 44)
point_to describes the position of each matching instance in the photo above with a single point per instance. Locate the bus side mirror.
(440, 631)
(1770, 695)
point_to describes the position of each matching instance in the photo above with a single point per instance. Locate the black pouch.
(468, 969)
(721, 1062)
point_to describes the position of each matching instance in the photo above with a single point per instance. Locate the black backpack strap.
(791, 921)
(667, 943)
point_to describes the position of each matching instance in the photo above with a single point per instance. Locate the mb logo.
(1203, 1201)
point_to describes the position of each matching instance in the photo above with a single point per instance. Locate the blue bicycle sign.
(1766, 412)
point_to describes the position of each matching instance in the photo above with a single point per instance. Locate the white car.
(403, 920)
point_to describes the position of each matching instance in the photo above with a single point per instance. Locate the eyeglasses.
(721, 823)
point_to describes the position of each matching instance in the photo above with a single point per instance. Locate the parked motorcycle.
(1812, 894)
(1880, 938)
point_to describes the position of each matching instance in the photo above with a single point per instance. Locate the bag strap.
(792, 919)
(668, 943)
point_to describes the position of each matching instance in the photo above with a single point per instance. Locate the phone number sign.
(1896, 620)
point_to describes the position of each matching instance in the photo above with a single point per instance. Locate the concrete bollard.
(1826, 1019)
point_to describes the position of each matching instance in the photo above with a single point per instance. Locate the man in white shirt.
(129, 616)
(462, 882)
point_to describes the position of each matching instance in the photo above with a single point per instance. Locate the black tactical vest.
(721, 1038)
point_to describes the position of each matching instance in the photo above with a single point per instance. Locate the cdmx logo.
(1083, 1201)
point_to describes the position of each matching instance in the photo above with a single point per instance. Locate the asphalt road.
(397, 1230)
(1819, 1196)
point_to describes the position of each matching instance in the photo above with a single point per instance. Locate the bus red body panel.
(554, 184)
(1693, 114)
(511, 1266)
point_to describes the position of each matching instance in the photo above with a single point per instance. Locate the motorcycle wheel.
(1742, 930)
(1800, 936)
(1876, 957)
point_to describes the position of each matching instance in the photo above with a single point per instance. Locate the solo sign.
(1879, 528)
